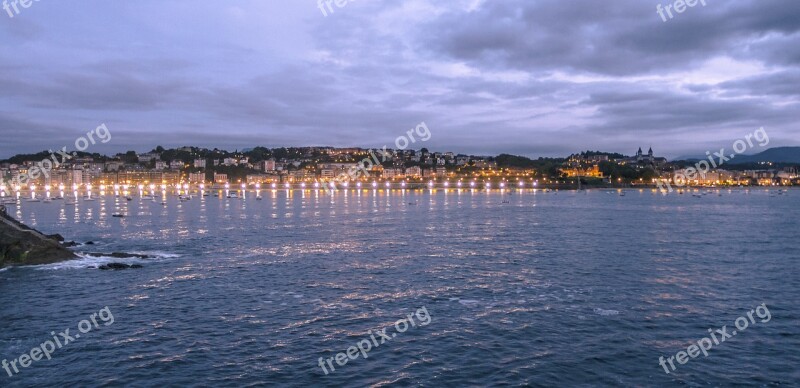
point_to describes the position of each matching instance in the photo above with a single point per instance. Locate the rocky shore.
(22, 245)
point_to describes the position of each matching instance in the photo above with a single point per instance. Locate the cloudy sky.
(530, 77)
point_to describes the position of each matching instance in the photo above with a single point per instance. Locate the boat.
(129, 198)
(259, 198)
(233, 195)
(184, 198)
(118, 215)
(34, 200)
(88, 199)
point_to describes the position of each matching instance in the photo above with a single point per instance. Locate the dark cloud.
(543, 77)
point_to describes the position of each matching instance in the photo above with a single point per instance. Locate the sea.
(412, 288)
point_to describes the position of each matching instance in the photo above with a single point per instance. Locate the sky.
(527, 77)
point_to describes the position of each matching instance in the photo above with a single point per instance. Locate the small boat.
(70, 203)
(118, 215)
(129, 198)
(34, 200)
(47, 200)
(506, 202)
(88, 199)
(184, 198)
(259, 198)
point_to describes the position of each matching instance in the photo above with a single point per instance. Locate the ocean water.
(528, 288)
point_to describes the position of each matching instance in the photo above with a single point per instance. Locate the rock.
(118, 266)
(90, 243)
(56, 237)
(21, 245)
(69, 244)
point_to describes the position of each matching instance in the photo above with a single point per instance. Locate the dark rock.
(56, 237)
(21, 245)
(90, 243)
(69, 244)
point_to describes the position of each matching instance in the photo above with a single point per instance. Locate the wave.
(85, 261)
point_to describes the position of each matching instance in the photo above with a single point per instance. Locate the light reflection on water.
(552, 289)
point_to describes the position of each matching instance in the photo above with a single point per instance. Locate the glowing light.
(303, 185)
(446, 184)
(274, 185)
(227, 186)
(472, 184)
(502, 184)
(388, 185)
(403, 184)
(358, 184)
(316, 185)
(374, 184)
(287, 186)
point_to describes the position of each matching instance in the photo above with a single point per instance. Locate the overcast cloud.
(532, 77)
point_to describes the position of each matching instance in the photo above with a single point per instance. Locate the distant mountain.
(776, 155)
